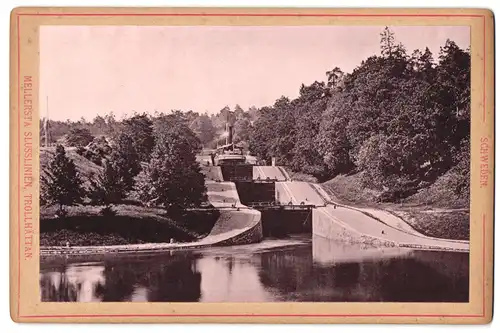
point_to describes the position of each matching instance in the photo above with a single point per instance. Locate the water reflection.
(267, 272)
(171, 278)
(231, 280)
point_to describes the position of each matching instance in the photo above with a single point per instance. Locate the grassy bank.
(132, 224)
(442, 224)
(300, 176)
(349, 190)
(85, 226)
(433, 211)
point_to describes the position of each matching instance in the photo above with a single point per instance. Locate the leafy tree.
(253, 113)
(305, 151)
(273, 133)
(61, 183)
(387, 164)
(117, 178)
(190, 116)
(285, 137)
(81, 151)
(112, 126)
(238, 112)
(460, 181)
(101, 146)
(389, 47)
(107, 186)
(79, 136)
(177, 122)
(332, 141)
(241, 130)
(226, 115)
(423, 65)
(309, 108)
(126, 161)
(99, 126)
(97, 150)
(262, 134)
(218, 121)
(452, 89)
(202, 126)
(173, 177)
(140, 129)
(334, 77)
(383, 133)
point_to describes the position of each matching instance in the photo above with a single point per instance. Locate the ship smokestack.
(230, 134)
(227, 133)
(229, 129)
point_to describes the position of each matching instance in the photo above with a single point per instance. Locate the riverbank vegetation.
(143, 184)
(400, 122)
(450, 224)
(435, 211)
(130, 224)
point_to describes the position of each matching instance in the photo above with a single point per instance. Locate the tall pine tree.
(126, 161)
(62, 184)
(140, 129)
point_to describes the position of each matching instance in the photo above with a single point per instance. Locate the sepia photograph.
(254, 163)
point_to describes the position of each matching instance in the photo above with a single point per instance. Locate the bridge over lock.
(263, 186)
(286, 206)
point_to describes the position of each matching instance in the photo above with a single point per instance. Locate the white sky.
(90, 70)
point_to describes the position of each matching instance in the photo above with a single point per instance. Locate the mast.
(46, 123)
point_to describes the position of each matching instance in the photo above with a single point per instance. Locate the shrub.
(81, 151)
(108, 211)
(79, 137)
(61, 212)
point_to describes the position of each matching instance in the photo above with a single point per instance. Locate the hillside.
(351, 189)
(85, 167)
(435, 210)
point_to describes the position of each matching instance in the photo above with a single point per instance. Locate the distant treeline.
(208, 128)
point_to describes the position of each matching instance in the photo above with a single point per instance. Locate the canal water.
(277, 270)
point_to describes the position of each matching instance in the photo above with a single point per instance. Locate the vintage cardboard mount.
(24, 171)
